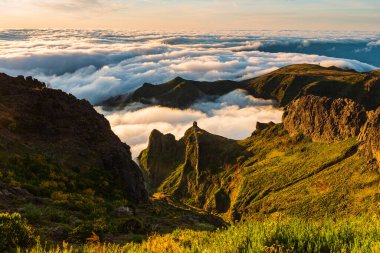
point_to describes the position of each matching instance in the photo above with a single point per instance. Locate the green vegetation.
(276, 234)
(272, 172)
(14, 231)
(290, 82)
(43, 177)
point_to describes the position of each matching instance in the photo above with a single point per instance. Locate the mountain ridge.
(282, 85)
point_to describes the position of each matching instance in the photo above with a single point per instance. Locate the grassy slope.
(289, 175)
(277, 234)
(289, 82)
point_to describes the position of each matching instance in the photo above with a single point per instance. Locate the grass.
(280, 174)
(275, 234)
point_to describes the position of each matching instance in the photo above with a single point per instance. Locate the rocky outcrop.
(189, 168)
(324, 119)
(159, 159)
(370, 134)
(262, 126)
(36, 120)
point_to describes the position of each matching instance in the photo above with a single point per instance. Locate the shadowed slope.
(48, 135)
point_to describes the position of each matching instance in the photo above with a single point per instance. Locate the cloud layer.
(233, 115)
(98, 64)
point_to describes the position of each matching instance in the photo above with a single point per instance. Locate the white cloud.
(98, 64)
(233, 115)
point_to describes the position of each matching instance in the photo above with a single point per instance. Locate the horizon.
(210, 15)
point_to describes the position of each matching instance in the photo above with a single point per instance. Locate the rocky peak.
(160, 157)
(187, 167)
(324, 119)
(262, 126)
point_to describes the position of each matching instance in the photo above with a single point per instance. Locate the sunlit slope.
(290, 82)
(272, 172)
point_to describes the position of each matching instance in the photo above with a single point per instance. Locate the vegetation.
(14, 231)
(273, 172)
(276, 234)
(290, 82)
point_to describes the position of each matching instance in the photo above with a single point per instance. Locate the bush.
(131, 225)
(15, 232)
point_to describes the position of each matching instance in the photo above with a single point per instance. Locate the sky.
(180, 15)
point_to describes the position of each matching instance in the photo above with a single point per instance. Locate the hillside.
(64, 169)
(323, 160)
(291, 82)
(51, 138)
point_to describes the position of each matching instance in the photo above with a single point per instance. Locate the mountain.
(322, 160)
(177, 93)
(282, 85)
(63, 169)
(48, 136)
(291, 82)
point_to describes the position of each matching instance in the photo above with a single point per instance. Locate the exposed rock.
(191, 166)
(324, 119)
(36, 120)
(162, 155)
(370, 134)
(262, 126)
(124, 211)
(12, 193)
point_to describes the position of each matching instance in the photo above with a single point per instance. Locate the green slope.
(272, 172)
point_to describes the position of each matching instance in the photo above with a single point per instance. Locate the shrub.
(131, 225)
(15, 232)
(81, 232)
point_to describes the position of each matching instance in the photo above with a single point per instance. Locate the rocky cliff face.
(189, 169)
(162, 155)
(324, 119)
(332, 120)
(370, 134)
(38, 121)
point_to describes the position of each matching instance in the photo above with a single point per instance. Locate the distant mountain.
(291, 82)
(177, 93)
(282, 85)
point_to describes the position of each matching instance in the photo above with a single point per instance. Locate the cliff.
(47, 135)
(324, 119)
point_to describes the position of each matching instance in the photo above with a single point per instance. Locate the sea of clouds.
(96, 65)
(233, 115)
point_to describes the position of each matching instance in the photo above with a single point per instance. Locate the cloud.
(98, 64)
(69, 6)
(374, 43)
(234, 115)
